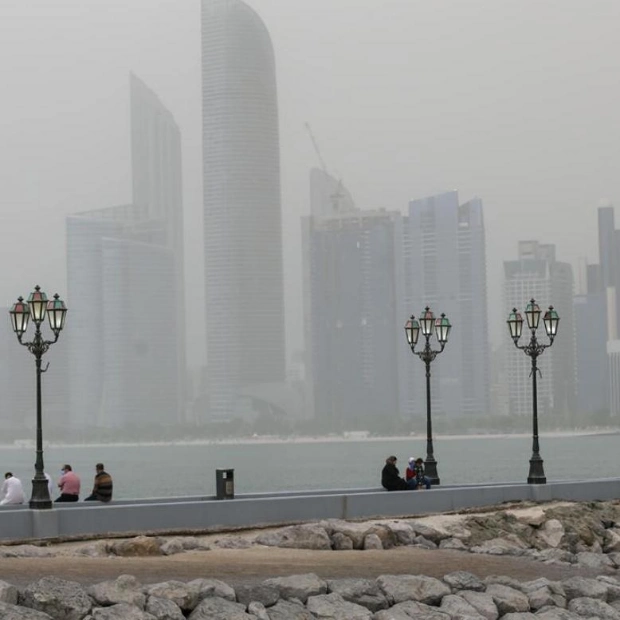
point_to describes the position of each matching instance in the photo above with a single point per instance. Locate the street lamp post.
(427, 325)
(533, 349)
(36, 308)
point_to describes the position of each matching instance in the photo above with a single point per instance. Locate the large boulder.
(551, 533)
(122, 611)
(507, 599)
(499, 525)
(463, 580)
(411, 609)
(534, 515)
(372, 542)
(61, 599)
(579, 587)
(341, 542)
(13, 612)
(96, 549)
(333, 606)
(299, 587)
(124, 589)
(555, 613)
(25, 551)
(216, 608)
(8, 593)
(139, 546)
(456, 544)
(181, 594)
(545, 597)
(402, 532)
(556, 556)
(593, 608)
(599, 561)
(287, 610)
(611, 540)
(613, 587)
(482, 602)
(355, 531)
(260, 593)
(204, 588)
(584, 523)
(365, 592)
(400, 588)
(258, 610)
(308, 536)
(458, 607)
(163, 609)
(229, 542)
(440, 527)
(509, 545)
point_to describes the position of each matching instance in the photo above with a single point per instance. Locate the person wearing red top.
(69, 484)
(415, 474)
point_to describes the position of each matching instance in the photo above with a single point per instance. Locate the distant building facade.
(537, 274)
(609, 288)
(126, 290)
(354, 316)
(445, 256)
(242, 214)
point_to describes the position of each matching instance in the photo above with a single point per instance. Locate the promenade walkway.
(249, 566)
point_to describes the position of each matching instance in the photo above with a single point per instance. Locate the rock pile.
(582, 534)
(458, 596)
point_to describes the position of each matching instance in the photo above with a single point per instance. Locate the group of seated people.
(414, 475)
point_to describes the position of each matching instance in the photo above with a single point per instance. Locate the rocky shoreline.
(579, 535)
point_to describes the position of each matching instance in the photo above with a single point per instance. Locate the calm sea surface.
(173, 469)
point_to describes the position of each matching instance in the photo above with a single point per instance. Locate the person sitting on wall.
(12, 490)
(415, 474)
(69, 484)
(390, 476)
(102, 489)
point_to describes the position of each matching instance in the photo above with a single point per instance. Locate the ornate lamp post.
(36, 308)
(534, 349)
(441, 326)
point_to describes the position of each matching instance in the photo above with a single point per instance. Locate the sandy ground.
(244, 566)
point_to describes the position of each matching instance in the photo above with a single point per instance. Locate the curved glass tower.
(242, 218)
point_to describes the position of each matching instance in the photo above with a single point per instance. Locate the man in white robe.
(12, 490)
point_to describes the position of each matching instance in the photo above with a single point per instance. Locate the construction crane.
(338, 194)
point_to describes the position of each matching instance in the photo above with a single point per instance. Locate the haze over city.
(513, 103)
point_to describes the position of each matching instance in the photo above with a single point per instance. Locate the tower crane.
(338, 194)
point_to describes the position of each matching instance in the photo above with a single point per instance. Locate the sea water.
(167, 470)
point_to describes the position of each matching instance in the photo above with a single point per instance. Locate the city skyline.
(386, 132)
(529, 128)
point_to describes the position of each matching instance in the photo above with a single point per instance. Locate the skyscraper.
(125, 287)
(445, 255)
(353, 310)
(537, 274)
(242, 217)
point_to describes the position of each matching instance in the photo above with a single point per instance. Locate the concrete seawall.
(203, 513)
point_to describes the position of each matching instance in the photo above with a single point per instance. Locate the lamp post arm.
(427, 354)
(38, 346)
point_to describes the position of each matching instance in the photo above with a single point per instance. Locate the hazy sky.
(517, 102)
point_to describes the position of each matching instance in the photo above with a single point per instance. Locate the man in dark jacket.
(390, 476)
(102, 489)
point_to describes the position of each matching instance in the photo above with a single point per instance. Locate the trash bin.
(225, 483)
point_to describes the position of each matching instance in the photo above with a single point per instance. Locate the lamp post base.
(430, 470)
(537, 472)
(40, 499)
